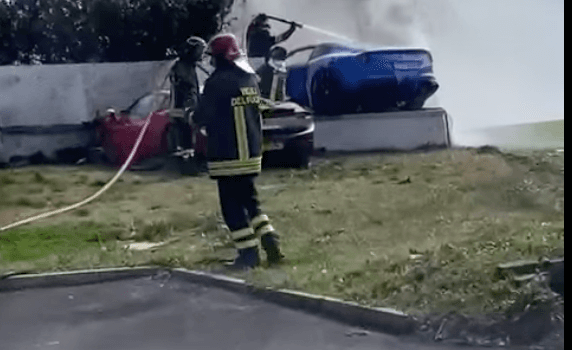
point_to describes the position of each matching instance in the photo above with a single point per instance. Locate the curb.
(18, 282)
(377, 319)
(526, 267)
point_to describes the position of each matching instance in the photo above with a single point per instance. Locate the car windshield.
(147, 104)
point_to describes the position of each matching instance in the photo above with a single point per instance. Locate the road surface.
(147, 313)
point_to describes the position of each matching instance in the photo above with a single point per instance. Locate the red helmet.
(225, 45)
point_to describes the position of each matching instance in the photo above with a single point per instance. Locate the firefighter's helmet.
(261, 21)
(193, 48)
(225, 46)
(278, 53)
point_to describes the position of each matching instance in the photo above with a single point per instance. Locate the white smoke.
(497, 62)
(387, 22)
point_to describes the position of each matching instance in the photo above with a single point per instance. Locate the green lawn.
(416, 232)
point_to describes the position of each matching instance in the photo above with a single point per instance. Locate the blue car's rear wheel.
(325, 93)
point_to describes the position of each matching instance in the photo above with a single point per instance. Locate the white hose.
(94, 196)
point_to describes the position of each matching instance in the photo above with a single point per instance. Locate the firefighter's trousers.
(241, 210)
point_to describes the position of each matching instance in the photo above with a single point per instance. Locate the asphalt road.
(148, 313)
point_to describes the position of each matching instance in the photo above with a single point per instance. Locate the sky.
(498, 62)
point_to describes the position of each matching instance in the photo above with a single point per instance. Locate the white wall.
(71, 94)
(48, 95)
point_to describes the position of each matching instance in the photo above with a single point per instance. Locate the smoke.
(387, 22)
(497, 62)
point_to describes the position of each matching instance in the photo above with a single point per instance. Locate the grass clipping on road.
(416, 232)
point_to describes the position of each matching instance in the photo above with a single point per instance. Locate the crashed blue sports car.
(340, 79)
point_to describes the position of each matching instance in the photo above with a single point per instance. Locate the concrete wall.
(36, 100)
(392, 131)
(71, 94)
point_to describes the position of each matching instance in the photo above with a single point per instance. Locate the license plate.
(272, 146)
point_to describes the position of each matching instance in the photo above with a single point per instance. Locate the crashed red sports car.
(287, 128)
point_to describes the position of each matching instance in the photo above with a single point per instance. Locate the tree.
(75, 31)
(7, 50)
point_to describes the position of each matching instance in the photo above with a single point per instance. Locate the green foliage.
(78, 31)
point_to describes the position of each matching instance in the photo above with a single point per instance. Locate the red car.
(288, 132)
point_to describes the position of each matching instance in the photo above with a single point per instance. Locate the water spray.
(327, 32)
(306, 26)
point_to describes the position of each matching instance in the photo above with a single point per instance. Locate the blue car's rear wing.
(408, 59)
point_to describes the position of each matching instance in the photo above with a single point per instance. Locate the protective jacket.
(185, 84)
(229, 108)
(259, 41)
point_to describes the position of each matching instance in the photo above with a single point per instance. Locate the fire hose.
(131, 155)
(92, 197)
(300, 25)
(278, 19)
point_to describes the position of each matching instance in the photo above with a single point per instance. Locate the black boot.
(271, 245)
(247, 258)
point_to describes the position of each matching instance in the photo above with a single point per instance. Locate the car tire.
(188, 166)
(109, 156)
(298, 156)
(96, 155)
(324, 95)
(302, 161)
(413, 105)
(157, 162)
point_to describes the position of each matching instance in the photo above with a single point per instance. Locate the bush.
(80, 31)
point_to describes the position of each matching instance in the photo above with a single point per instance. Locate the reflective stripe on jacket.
(229, 108)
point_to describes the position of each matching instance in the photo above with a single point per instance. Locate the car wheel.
(413, 105)
(324, 93)
(156, 162)
(188, 166)
(109, 156)
(302, 160)
(299, 156)
(427, 89)
(96, 155)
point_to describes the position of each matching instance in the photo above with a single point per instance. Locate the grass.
(416, 232)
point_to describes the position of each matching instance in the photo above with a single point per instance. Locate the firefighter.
(183, 75)
(185, 90)
(272, 74)
(229, 109)
(260, 40)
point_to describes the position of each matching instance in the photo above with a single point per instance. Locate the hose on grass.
(92, 197)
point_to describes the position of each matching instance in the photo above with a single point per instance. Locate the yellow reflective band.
(245, 232)
(241, 133)
(274, 88)
(234, 163)
(265, 229)
(259, 219)
(233, 172)
(246, 244)
(235, 167)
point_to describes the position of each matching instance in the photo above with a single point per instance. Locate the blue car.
(340, 79)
